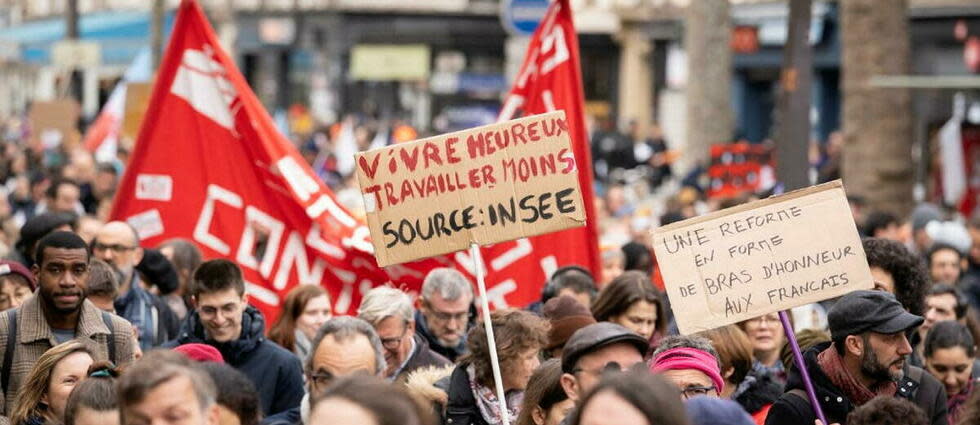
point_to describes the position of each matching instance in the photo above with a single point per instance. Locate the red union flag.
(550, 79)
(210, 166)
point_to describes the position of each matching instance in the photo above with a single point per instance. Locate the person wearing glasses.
(594, 349)
(691, 363)
(223, 319)
(390, 311)
(445, 312)
(117, 244)
(59, 313)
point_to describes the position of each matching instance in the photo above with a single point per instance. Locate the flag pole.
(485, 305)
(801, 365)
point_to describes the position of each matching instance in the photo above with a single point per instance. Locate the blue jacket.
(150, 314)
(276, 372)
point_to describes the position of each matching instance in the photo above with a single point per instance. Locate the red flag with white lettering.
(210, 166)
(550, 79)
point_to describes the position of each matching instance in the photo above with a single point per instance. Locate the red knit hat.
(566, 315)
(13, 267)
(200, 353)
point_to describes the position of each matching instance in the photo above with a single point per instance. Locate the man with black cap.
(866, 359)
(594, 349)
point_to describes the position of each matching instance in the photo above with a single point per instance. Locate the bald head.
(335, 357)
(117, 243)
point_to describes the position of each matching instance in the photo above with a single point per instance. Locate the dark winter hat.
(158, 271)
(39, 226)
(923, 214)
(874, 311)
(716, 411)
(595, 337)
(13, 267)
(566, 316)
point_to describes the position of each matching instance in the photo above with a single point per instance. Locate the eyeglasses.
(116, 248)
(443, 316)
(392, 343)
(321, 379)
(761, 320)
(694, 391)
(611, 367)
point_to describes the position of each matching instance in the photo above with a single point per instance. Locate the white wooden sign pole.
(485, 304)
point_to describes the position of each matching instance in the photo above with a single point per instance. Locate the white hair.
(383, 302)
(449, 283)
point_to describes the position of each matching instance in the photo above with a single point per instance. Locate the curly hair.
(885, 410)
(906, 269)
(515, 331)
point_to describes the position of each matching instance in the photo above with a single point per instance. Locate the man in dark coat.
(445, 312)
(866, 358)
(224, 320)
(390, 312)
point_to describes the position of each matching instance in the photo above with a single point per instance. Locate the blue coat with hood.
(276, 372)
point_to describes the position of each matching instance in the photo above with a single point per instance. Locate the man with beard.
(445, 309)
(866, 358)
(58, 313)
(117, 243)
(223, 319)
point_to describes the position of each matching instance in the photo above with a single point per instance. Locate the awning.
(120, 35)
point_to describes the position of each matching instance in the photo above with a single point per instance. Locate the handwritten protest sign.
(761, 257)
(488, 184)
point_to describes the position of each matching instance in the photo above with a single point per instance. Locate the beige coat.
(35, 337)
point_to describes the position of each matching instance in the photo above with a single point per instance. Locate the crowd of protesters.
(97, 329)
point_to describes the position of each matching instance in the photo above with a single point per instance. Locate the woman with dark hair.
(631, 398)
(545, 402)
(94, 401)
(45, 392)
(367, 400)
(472, 399)
(632, 301)
(949, 356)
(307, 307)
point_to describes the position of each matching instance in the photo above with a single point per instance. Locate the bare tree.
(707, 31)
(877, 124)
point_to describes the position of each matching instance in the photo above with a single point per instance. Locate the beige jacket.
(34, 337)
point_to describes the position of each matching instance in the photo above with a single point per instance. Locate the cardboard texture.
(489, 184)
(137, 100)
(54, 123)
(761, 257)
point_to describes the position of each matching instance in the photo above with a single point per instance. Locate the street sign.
(74, 54)
(521, 17)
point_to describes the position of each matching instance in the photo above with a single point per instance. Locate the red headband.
(689, 358)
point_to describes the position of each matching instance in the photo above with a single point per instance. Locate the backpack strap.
(107, 318)
(800, 393)
(8, 352)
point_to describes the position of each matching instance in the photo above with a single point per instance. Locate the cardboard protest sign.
(761, 257)
(488, 184)
(54, 123)
(137, 100)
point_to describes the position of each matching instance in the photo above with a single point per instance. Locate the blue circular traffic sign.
(521, 17)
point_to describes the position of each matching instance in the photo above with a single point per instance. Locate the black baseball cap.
(596, 336)
(869, 311)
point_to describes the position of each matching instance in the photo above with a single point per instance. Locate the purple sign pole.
(791, 337)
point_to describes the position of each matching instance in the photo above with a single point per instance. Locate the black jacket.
(917, 386)
(461, 409)
(451, 353)
(422, 357)
(276, 372)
